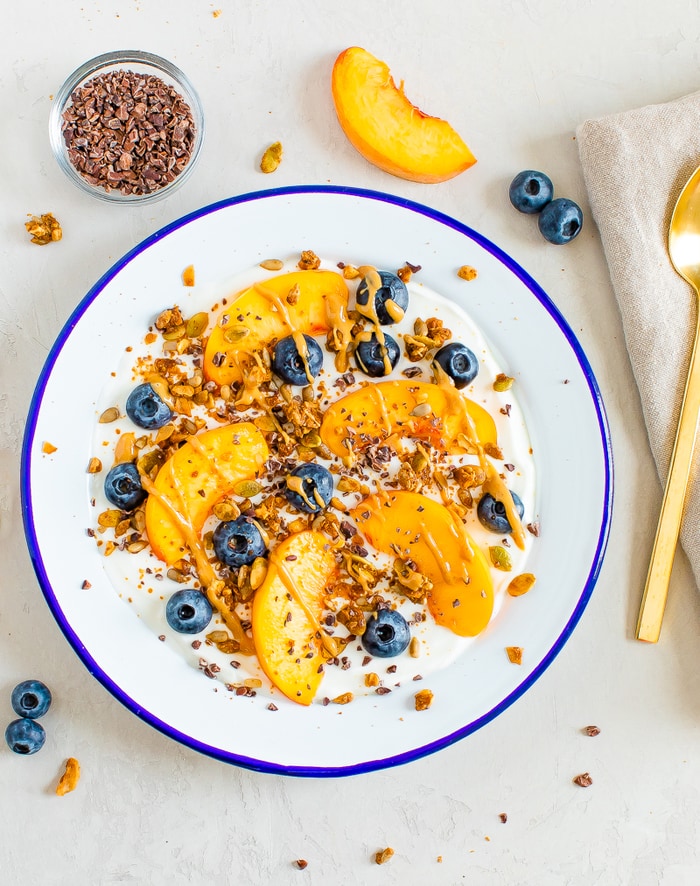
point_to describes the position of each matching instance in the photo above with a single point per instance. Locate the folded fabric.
(635, 165)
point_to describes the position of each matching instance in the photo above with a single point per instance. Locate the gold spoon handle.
(656, 588)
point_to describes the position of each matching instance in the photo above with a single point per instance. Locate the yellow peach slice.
(263, 312)
(287, 611)
(389, 131)
(415, 527)
(422, 410)
(194, 478)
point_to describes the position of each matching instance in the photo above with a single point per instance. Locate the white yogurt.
(140, 579)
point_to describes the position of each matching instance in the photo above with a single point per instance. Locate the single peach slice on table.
(422, 410)
(435, 539)
(387, 129)
(263, 312)
(202, 471)
(287, 610)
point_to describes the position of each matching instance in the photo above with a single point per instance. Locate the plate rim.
(238, 759)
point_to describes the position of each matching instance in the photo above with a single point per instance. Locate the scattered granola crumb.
(308, 261)
(345, 698)
(503, 382)
(533, 528)
(439, 859)
(94, 466)
(301, 863)
(383, 855)
(86, 585)
(515, 654)
(70, 777)
(467, 272)
(43, 229)
(584, 780)
(591, 730)
(188, 276)
(504, 817)
(48, 448)
(216, 13)
(423, 699)
(272, 158)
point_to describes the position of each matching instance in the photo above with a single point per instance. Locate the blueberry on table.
(291, 366)
(492, 513)
(25, 736)
(371, 355)
(147, 409)
(309, 487)
(123, 486)
(31, 699)
(459, 362)
(560, 221)
(530, 191)
(387, 634)
(238, 542)
(188, 611)
(393, 290)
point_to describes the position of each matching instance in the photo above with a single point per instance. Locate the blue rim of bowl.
(369, 765)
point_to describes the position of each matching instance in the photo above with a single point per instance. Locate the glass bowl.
(136, 137)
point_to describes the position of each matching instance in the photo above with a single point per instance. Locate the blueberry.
(289, 364)
(188, 611)
(31, 698)
(369, 355)
(392, 289)
(25, 736)
(387, 634)
(459, 362)
(309, 487)
(560, 221)
(530, 191)
(123, 487)
(146, 408)
(492, 513)
(238, 542)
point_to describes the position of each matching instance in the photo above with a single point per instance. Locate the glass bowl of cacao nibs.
(127, 127)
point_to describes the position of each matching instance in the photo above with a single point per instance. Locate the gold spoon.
(684, 251)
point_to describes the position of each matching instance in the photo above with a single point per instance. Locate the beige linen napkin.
(635, 165)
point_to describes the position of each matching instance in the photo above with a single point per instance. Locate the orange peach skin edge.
(365, 411)
(281, 621)
(387, 129)
(308, 315)
(465, 609)
(195, 477)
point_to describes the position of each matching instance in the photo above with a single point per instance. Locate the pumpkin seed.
(175, 575)
(233, 334)
(109, 415)
(136, 546)
(174, 334)
(226, 510)
(272, 264)
(196, 325)
(421, 410)
(500, 558)
(217, 637)
(258, 571)
(247, 488)
(521, 584)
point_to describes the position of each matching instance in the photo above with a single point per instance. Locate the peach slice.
(401, 407)
(261, 312)
(387, 129)
(431, 535)
(287, 610)
(194, 478)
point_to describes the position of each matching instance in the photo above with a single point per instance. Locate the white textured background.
(515, 79)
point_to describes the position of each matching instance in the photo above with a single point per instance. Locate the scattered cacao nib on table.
(127, 131)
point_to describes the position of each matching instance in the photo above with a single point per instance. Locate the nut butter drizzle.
(494, 483)
(213, 586)
(287, 580)
(369, 312)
